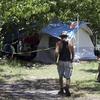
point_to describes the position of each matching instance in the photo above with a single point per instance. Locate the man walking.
(64, 53)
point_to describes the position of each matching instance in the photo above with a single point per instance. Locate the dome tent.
(79, 35)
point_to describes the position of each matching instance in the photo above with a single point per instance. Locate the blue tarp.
(55, 29)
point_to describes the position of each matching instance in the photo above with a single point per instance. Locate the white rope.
(39, 50)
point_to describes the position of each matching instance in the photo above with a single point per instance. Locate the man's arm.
(71, 47)
(57, 52)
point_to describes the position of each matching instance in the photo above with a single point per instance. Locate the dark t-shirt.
(64, 53)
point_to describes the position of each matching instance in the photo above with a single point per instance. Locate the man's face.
(64, 37)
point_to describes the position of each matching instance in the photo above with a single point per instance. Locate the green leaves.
(43, 11)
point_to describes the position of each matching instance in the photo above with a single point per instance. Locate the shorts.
(65, 69)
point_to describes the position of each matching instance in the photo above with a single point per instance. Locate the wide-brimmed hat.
(64, 34)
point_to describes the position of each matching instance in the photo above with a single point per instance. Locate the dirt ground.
(41, 89)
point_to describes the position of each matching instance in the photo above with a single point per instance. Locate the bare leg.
(67, 87)
(61, 82)
(61, 92)
(67, 82)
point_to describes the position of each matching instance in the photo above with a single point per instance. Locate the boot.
(67, 92)
(61, 92)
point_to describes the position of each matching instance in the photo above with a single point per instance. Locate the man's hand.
(71, 60)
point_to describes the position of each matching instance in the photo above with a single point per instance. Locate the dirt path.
(41, 89)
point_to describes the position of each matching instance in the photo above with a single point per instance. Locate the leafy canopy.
(43, 11)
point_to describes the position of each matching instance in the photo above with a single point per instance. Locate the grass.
(85, 71)
(17, 71)
(83, 77)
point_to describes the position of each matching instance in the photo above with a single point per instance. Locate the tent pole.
(77, 37)
(96, 40)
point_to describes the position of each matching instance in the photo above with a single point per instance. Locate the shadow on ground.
(22, 63)
(41, 89)
(90, 86)
(90, 70)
